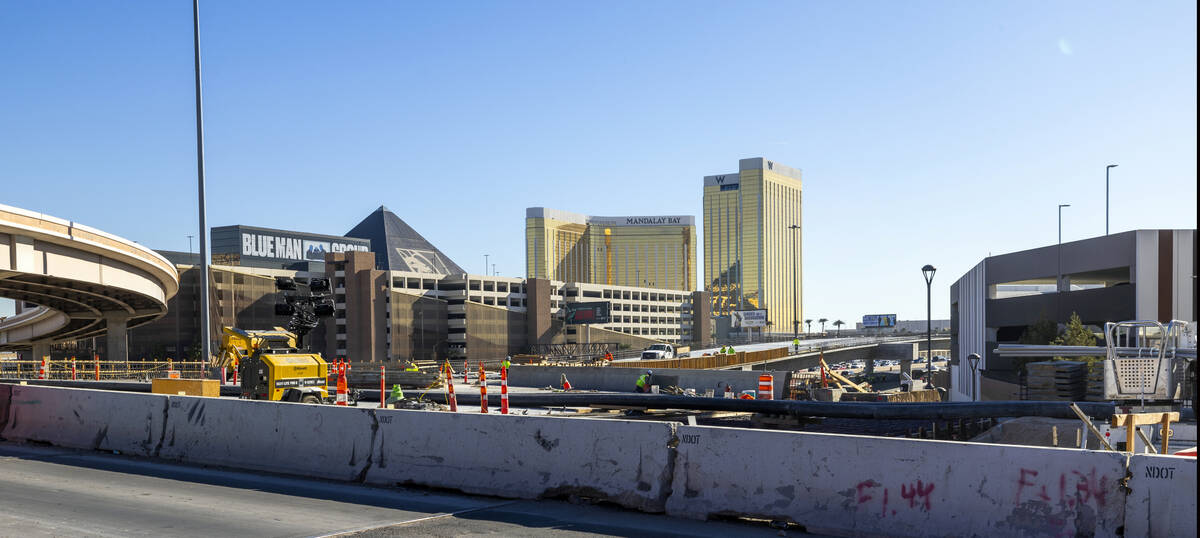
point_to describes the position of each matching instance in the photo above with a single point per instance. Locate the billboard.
(264, 247)
(586, 313)
(748, 319)
(879, 320)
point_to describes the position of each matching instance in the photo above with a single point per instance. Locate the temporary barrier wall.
(896, 487)
(829, 483)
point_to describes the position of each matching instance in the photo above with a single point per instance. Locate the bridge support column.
(117, 338)
(40, 349)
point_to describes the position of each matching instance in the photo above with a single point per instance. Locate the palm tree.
(822, 322)
(839, 324)
(808, 322)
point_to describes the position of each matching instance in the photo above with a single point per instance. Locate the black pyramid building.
(398, 247)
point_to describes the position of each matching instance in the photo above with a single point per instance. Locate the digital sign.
(586, 313)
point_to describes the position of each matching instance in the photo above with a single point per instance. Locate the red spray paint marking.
(919, 491)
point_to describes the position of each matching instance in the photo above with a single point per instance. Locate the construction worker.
(643, 382)
(608, 356)
(506, 363)
(730, 351)
(412, 367)
(796, 344)
(722, 352)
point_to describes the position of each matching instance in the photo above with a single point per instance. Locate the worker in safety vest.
(608, 356)
(722, 352)
(506, 363)
(730, 351)
(643, 382)
(796, 344)
(412, 367)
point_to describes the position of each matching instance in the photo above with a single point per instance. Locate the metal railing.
(80, 368)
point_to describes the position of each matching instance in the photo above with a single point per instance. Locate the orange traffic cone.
(566, 385)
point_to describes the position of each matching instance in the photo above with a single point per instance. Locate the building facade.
(751, 259)
(1139, 274)
(641, 251)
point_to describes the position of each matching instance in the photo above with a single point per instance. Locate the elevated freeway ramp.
(85, 283)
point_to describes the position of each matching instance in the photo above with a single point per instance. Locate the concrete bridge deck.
(85, 282)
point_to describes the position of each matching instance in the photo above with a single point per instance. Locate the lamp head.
(1111, 166)
(928, 271)
(974, 359)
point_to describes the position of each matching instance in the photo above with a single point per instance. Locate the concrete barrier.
(622, 379)
(1162, 496)
(626, 462)
(88, 419)
(896, 487)
(311, 440)
(829, 483)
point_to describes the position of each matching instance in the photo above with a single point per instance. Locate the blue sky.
(928, 132)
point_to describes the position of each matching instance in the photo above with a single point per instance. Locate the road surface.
(56, 492)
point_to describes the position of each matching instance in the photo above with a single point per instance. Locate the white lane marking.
(411, 521)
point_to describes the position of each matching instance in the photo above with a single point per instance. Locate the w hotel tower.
(748, 245)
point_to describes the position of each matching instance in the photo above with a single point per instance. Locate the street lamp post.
(485, 264)
(928, 271)
(1106, 169)
(205, 341)
(1058, 279)
(974, 360)
(795, 287)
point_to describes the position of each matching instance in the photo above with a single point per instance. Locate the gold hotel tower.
(748, 252)
(655, 251)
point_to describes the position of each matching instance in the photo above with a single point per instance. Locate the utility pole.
(205, 341)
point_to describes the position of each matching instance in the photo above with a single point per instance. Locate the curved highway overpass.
(85, 282)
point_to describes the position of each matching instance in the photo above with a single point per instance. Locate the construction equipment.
(271, 366)
(843, 379)
(1145, 361)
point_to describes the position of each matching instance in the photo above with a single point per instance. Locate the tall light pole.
(205, 343)
(1060, 206)
(485, 265)
(1058, 279)
(1106, 169)
(795, 287)
(928, 271)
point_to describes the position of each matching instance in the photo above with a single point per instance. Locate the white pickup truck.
(658, 351)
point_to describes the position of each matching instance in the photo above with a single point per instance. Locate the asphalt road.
(56, 492)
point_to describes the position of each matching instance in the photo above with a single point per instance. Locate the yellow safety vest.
(641, 382)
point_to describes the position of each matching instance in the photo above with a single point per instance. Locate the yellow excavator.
(272, 367)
